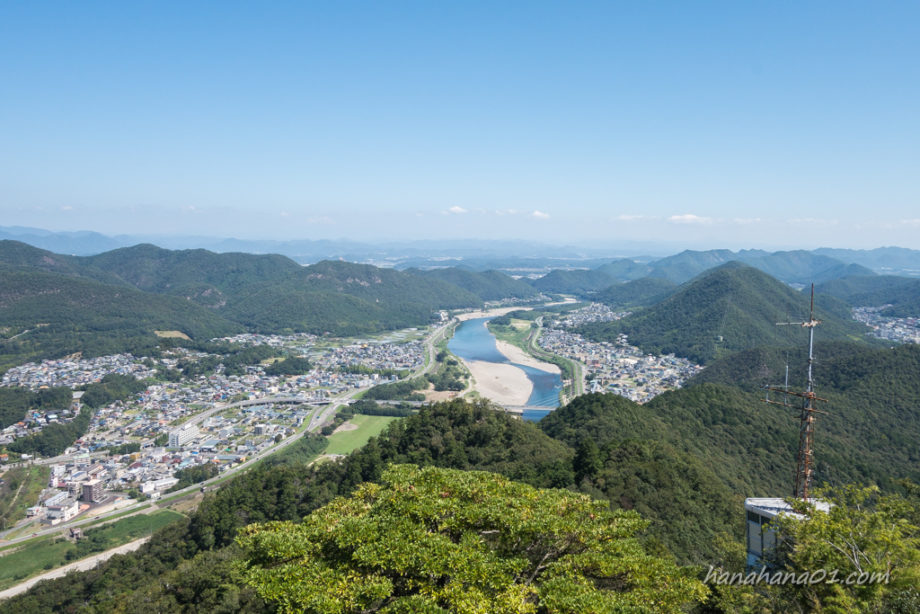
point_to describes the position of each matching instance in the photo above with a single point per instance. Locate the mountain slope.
(266, 293)
(638, 293)
(488, 285)
(901, 293)
(577, 281)
(731, 308)
(48, 315)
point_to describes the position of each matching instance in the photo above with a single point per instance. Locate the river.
(472, 341)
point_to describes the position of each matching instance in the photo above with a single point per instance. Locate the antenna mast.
(808, 411)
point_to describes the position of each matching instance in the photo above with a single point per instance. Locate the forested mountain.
(273, 293)
(902, 293)
(196, 274)
(575, 281)
(487, 285)
(46, 315)
(638, 293)
(873, 420)
(626, 269)
(731, 308)
(14, 254)
(113, 302)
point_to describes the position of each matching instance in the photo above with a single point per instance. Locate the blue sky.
(702, 124)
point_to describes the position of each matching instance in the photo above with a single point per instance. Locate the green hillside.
(273, 293)
(196, 274)
(47, 315)
(578, 281)
(727, 443)
(625, 269)
(487, 285)
(689, 263)
(902, 293)
(638, 293)
(113, 301)
(731, 308)
(20, 255)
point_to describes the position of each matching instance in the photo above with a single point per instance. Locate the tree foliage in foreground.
(439, 540)
(864, 533)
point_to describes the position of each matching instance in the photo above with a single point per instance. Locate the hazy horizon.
(703, 126)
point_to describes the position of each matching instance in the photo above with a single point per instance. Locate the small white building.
(63, 511)
(761, 537)
(152, 486)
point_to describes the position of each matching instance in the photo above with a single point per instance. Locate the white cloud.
(912, 222)
(747, 220)
(284, 214)
(540, 215)
(456, 210)
(814, 221)
(689, 218)
(66, 208)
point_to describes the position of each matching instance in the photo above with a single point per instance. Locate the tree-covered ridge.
(53, 305)
(577, 281)
(637, 293)
(48, 315)
(487, 285)
(902, 293)
(731, 308)
(458, 541)
(272, 293)
(154, 269)
(15, 254)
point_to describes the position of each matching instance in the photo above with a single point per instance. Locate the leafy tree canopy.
(863, 533)
(438, 540)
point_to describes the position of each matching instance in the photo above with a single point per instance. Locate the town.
(619, 368)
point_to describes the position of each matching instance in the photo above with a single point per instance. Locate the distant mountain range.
(525, 258)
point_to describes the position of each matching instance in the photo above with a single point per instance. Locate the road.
(81, 565)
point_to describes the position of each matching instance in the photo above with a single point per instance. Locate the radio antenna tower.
(808, 410)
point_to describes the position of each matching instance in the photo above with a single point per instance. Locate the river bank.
(503, 383)
(519, 356)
